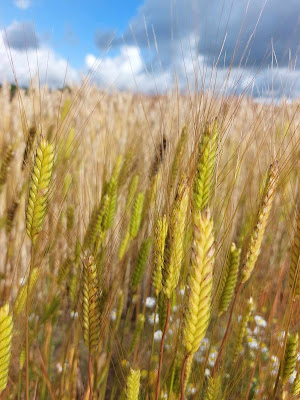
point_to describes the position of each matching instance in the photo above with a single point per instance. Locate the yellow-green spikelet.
(39, 188)
(179, 152)
(138, 330)
(21, 298)
(213, 391)
(133, 384)
(290, 357)
(174, 252)
(229, 277)
(296, 385)
(136, 215)
(161, 231)
(294, 278)
(90, 305)
(262, 219)
(141, 263)
(241, 330)
(6, 329)
(112, 192)
(203, 185)
(200, 279)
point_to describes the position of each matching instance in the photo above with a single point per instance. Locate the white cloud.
(126, 71)
(23, 4)
(42, 61)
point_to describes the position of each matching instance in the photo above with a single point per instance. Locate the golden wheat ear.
(21, 298)
(290, 357)
(6, 332)
(175, 239)
(213, 391)
(8, 156)
(261, 222)
(90, 305)
(197, 304)
(204, 180)
(39, 188)
(133, 384)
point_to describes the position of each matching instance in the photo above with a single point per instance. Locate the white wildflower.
(150, 302)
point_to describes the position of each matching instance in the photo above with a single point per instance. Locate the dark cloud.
(21, 35)
(250, 30)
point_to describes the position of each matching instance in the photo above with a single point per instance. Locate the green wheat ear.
(174, 251)
(90, 304)
(112, 192)
(213, 391)
(136, 215)
(200, 278)
(141, 263)
(290, 357)
(294, 279)
(6, 329)
(296, 385)
(161, 231)
(241, 330)
(204, 180)
(261, 222)
(229, 277)
(22, 293)
(39, 188)
(138, 330)
(133, 385)
(178, 157)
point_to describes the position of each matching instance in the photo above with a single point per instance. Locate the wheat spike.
(296, 385)
(203, 185)
(6, 329)
(22, 293)
(178, 157)
(174, 253)
(141, 263)
(39, 188)
(132, 190)
(290, 357)
(229, 277)
(238, 344)
(90, 305)
(133, 384)
(8, 156)
(29, 144)
(124, 245)
(138, 330)
(213, 391)
(136, 215)
(294, 278)
(161, 231)
(112, 192)
(200, 278)
(262, 219)
(11, 212)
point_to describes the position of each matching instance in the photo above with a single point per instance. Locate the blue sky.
(155, 42)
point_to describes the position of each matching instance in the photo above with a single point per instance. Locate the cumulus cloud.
(41, 61)
(21, 35)
(23, 4)
(198, 40)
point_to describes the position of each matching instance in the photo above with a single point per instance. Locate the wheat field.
(150, 246)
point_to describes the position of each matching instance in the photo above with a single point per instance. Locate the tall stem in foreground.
(162, 351)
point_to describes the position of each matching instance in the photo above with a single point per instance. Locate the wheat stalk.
(6, 333)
